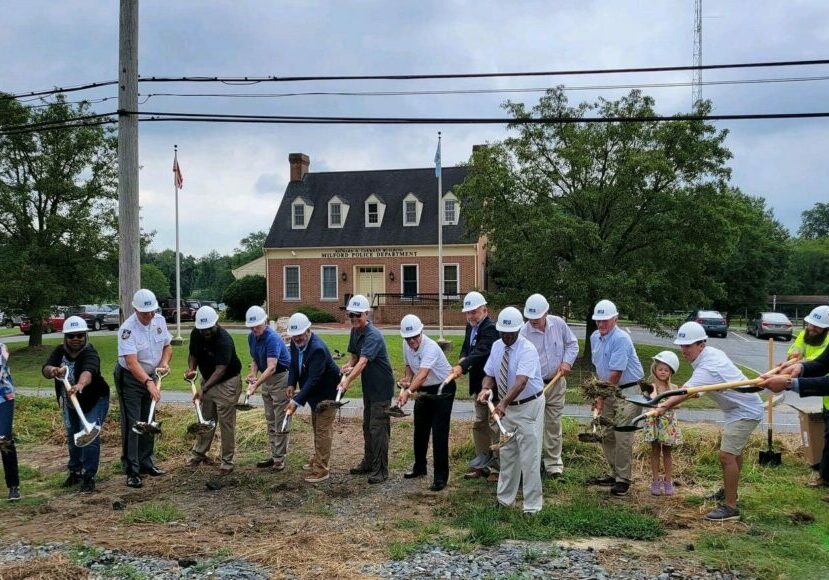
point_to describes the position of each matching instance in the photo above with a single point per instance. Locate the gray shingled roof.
(353, 188)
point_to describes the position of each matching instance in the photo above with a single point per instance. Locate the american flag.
(178, 179)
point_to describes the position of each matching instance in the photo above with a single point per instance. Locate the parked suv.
(97, 316)
(712, 321)
(168, 309)
(770, 324)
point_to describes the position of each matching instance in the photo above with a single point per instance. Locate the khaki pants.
(484, 434)
(521, 456)
(323, 425)
(551, 427)
(275, 397)
(618, 446)
(218, 405)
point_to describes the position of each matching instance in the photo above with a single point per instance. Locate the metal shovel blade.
(641, 400)
(771, 457)
(397, 412)
(84, 438)
(286, 425)
(505, 438)
(329, 404)
(144, 428)
(244, 405)
(201, 428)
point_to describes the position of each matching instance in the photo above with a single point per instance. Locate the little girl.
(663, 432)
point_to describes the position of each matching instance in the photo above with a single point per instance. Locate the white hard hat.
(472, 301)
(605, 310)
(410, 326)
(255, 316)
(358, 303)
(144, 301)
(75, 324)
(536, 307)
(819, 317)
(298, 323)
(509, 320)
(669, 358)
(206, 317)
(689, 333)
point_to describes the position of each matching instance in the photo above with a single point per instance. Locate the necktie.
(473, 335)
(503, 373)
(299, 360)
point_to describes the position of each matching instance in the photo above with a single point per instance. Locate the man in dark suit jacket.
(477, 342)
(316, 373)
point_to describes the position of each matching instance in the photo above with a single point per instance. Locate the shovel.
(746, 386)
(634, 425)
(396, 410)
(769, 456)
(336, 403)
(150, 427)
(452, 376)
(245, 405)
(286, 424)
(506, 436)
(591, 436)
(201, 426)
(90, 431)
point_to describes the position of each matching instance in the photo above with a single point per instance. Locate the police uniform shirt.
(615, 352)
(523, 361)
(429, 355)
(146, 342)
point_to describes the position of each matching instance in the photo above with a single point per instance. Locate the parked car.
(112, 319)
(52, 324)
(169, 309)
(212, 303)
(10, 319)
(767, 324)
(712, 321)
(97, 316)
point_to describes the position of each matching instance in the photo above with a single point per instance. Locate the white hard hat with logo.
(358, 303)
(818, 317)
(605, 310)
(536, 307)
(75, 324)
(255, 316)
(509, 320)
(689, 333)
(410, 326)
(669, 358)
(472, 301)
(298, 323)
(144, 301)
(206, 317)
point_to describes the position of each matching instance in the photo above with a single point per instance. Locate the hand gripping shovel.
(506, 436)
(245, 405)
(746, 386)
(90, 431)
(770, 456)
(591, 436)
(150, 427)
(286, 423)
(635, 424)
(336, 403)
(201, 426)
(396, 410)
(452, 376)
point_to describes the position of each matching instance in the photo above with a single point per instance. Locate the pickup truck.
(169, 309)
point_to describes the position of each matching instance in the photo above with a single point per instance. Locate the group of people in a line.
(517, 373)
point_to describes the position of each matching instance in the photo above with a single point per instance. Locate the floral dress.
(664, 429)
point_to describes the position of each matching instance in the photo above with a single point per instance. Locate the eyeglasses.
(412, 338)
(74, 335)
(355, 314)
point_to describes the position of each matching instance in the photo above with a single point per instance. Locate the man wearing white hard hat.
(143, 347)
(514, 373)
(78, 360)
(426, 369)
(615, 360)
(370, 360)
(478, 339)
(314, 370)
(269, 364)
(213, 352)
(743, 411)
(557, 348)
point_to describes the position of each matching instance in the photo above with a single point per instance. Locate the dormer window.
(375, 208)
(337, 212)
(373, 213)
(412, 208)
(299, 216)
(301, 212)
(451, 208)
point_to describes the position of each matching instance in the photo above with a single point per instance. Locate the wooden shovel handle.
(722, 386)
(552, 382)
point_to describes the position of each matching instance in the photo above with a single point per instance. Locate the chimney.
(299, 165)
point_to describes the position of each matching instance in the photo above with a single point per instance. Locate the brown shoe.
(317, 477)
(278, 466)
(193, 462)
(818, 483)
(474, 473)
(492, 478)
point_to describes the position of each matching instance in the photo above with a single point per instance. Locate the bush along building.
(375, 233)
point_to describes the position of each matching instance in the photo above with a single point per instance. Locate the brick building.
(375, 233)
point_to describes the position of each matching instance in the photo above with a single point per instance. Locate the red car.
(52, 324)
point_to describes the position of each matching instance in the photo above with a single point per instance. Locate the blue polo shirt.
(615, 352)
(269, 345)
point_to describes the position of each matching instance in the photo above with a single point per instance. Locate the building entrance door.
(370, 280)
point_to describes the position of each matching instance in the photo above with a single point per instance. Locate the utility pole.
(696, 84)
(129, 239)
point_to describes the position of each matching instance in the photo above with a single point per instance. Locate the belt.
(280, 368)
(527, 400)
(628, 385)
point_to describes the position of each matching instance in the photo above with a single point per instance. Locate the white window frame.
(294, 209)
(285, 296)
(337, 200)
(446, 202)
(406, 220)
(403, 278)
(323, 297)
(307, 211)
(457, 279)
(369, 213)
(381, 210)
(331, 223)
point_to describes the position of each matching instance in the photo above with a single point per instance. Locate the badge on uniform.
(158, 330)
(125, 334)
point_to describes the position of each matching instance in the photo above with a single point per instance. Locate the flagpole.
(440, 243)
(178, 256)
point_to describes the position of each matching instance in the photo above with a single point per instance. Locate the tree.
(242, 294)
(637, 212)
(815, 222)
(154, 279)
(57, 210)
(808, 268)
(250, 248)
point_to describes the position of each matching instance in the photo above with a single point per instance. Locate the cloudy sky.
(235, 174)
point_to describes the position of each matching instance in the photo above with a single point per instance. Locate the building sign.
(344, 253)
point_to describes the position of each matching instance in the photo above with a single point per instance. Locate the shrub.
(242, 294)
(315, 315)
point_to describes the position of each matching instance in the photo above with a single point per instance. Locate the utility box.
(811, 434)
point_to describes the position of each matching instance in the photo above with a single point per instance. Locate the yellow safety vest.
(809, 352)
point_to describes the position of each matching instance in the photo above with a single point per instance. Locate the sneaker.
(656, 487)
(74, 478)
(474, 473)
(265, 463)
(88, 484)
(723, 513)
(308, 466)
(134, 481)
(605, 481)
(317, 477)
(718, 495)
(818, 483)
(14, 493)
(669, 488)
(492, 478)
(620, 489)
(278, 465)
